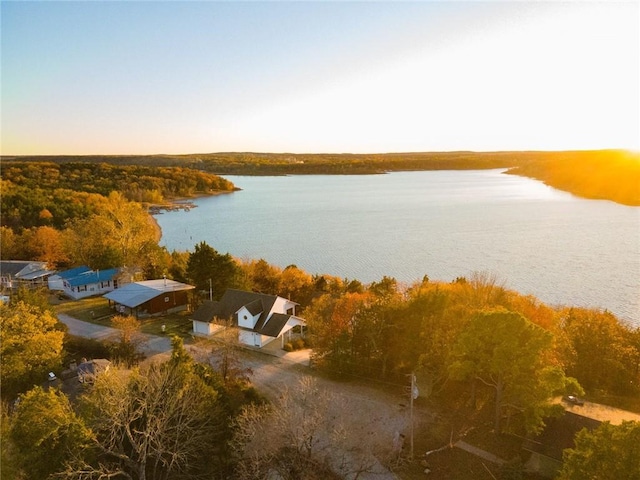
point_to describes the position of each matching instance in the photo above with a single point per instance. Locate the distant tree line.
(601, 174)
(606, 175)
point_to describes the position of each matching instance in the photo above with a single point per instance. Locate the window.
(166, 299)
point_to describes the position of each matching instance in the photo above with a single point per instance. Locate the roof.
(91, 277)
(274, 325)
(135, 294)
(559, 434)
(234, 300)
(94, 367)
(24, 269)
(207, 311)
(73, 272)
(257, 303)
(254, 307)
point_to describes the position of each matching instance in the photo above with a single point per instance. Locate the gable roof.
(256, 303)
(207, 311)
(90, 277)
(274, 325)
(24, 270)
(234, 300)
(135, 294)
(73, 272)
(255, 307)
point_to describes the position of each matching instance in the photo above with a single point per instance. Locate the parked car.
(573, 400)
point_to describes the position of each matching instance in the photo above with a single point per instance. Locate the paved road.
(151, 345)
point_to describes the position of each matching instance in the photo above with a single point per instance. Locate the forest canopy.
(45, 193)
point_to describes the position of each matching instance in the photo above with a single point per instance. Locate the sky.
(155, 77)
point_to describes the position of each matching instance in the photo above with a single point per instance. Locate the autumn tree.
(119, 233)
(263, 277)
(505, 352)
(600, 351)
(296, 285)
(10, 243)
(30, 346)
(126, 348)
(46, 244)
(86, 242)
(333, 325)
(44, 431)
(610, 452)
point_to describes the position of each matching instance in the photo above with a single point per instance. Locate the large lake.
(444, 224)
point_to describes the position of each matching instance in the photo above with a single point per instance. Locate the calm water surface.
(444, 224)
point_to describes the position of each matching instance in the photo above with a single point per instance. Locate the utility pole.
(413, 394)
(210, 291)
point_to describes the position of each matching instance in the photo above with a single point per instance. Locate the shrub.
(78, 347)
(298, 344)
(288, 347)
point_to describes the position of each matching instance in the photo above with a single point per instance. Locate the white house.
(91, 283)
(14, 273)
(260, 318)
(56, 281)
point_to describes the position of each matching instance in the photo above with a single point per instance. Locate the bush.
(78, 347)
(288, 347)
(298, 344)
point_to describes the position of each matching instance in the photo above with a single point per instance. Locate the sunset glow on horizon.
(316, 77)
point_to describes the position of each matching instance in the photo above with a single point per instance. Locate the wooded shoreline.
(596, 174)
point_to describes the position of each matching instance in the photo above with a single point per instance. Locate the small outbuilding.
(150, 297)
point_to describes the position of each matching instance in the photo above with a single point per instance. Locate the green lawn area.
(96, 310)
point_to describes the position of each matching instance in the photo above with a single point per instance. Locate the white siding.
(55, 282)
(206, 328)
(281, 305)
(245, 319)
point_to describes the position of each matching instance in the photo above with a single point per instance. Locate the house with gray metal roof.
(14, 273)
(150, 297)
(260, 318)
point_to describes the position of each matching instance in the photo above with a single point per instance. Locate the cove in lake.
(444, 224)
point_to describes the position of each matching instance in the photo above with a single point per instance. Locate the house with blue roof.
(56, 281)
(90, 283)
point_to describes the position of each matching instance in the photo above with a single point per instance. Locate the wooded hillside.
(46, 193)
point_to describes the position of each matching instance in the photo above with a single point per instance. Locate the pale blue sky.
(186, 77)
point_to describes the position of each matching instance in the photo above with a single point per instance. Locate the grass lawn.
(92, 309)
(96, 310)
